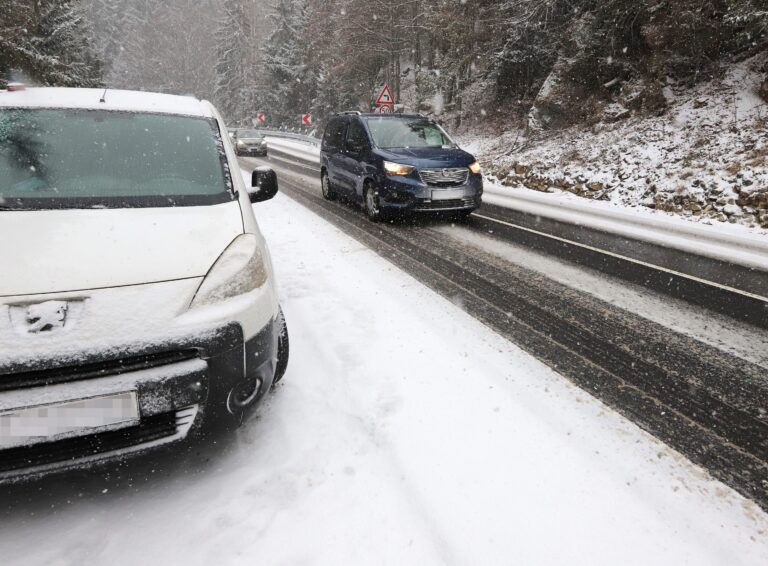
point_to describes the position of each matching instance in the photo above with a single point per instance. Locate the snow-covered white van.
(137, 297)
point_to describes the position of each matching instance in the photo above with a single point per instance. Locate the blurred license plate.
(446, 194)
(19, 427)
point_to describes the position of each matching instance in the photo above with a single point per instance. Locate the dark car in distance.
(397, 164)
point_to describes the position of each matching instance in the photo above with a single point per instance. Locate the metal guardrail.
(695, 239)
(290, 135)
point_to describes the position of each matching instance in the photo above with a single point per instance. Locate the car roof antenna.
(103, 96)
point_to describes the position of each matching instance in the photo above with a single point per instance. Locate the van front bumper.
(410, 194)
(182, 385)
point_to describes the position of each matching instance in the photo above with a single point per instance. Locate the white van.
(137, 297)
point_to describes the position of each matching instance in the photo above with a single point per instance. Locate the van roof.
(378, 115)
(116, 100)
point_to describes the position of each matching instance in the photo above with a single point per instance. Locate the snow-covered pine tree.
(326, 58)
(136, 65)
(107, 23)
(47, 41)
(290, 84)
(234, 91)
(63, 34)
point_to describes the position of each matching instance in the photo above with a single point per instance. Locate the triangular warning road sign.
(385, 96)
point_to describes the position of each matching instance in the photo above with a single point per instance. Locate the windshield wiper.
(4, 207)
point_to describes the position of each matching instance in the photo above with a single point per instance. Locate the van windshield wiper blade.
(4, 207)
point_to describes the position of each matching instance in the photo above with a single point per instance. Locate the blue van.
(397, 163)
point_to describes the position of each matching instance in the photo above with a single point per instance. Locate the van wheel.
(282, 348)
(371, 203)
(328, 192)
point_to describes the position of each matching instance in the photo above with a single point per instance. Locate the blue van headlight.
(397, 169)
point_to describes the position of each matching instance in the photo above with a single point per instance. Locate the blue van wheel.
(328, 192)
(371, 203)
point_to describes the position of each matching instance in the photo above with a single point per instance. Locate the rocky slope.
(703, 154)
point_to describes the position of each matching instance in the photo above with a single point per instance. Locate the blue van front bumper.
(411, 194)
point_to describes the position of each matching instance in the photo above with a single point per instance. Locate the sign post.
(306, 119)
(385, 100)
(261, 118)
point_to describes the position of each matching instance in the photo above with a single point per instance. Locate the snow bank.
(734, 244)
(303, 151)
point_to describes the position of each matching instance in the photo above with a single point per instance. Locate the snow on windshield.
(70, 158)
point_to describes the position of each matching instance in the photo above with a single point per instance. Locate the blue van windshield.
(390, 133)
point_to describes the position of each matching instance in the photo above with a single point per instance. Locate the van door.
(356, 149)
(333, 146)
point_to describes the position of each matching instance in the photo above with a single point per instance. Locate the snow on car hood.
(47, 251)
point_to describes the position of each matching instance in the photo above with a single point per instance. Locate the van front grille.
(92, 370)
(448, 177)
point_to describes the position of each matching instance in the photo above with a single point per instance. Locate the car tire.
(328, 191)
(371, 203)
(283, 348)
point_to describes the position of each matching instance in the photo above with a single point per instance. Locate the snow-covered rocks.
(705, 157)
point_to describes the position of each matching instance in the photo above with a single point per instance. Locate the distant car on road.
(249, 142)
(137, 299)
(397, 163)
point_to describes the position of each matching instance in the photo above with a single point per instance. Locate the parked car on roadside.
(137, 299)
(249, 143)
(397, 163)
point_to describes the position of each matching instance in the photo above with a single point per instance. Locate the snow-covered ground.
(405, 432)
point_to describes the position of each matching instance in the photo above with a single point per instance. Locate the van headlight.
(239, 269)
(397, 169)
(475, 167)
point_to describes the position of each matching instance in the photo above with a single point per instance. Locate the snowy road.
(687, 375)
(405, 432)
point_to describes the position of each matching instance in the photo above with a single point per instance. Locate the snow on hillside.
(705, 157)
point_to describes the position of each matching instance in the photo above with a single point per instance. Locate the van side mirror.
(263, 184)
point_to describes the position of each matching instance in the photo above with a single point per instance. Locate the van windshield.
(105, 159)
(390, 133)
